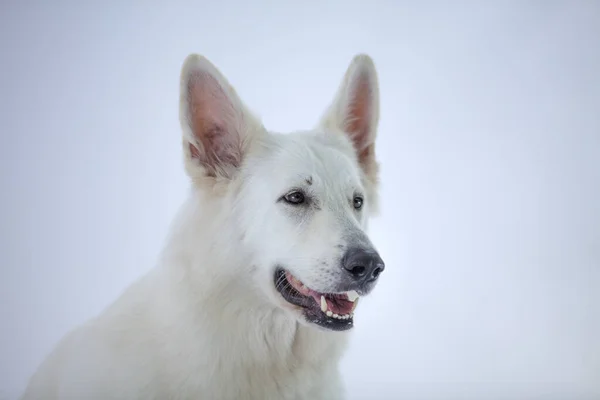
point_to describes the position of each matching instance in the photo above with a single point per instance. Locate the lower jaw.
(320, 319)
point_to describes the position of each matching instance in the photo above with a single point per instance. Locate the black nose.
(364, 265)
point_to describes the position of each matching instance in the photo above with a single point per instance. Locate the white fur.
(207, 322)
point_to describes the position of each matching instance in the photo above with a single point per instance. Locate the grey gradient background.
(490, 150)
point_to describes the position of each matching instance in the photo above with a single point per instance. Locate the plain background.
(490, 149)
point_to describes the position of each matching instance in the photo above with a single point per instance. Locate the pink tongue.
(336, 305)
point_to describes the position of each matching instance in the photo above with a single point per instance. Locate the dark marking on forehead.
(309, 180)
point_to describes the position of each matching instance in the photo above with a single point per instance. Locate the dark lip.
(311, 310)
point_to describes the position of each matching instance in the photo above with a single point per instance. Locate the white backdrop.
(490, 152)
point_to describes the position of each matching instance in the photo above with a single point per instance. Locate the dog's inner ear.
(213, 118)
(359, 117)
(355, 110)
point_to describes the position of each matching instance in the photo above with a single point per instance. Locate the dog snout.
(363, 265)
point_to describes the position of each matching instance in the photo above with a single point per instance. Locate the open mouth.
(329, 310)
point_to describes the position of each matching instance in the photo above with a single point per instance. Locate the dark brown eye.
(294, 198)
(358, 202)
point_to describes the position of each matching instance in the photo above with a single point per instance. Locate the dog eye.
(294, 198)
(358, 202)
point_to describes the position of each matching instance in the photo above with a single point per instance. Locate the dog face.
(299, 203)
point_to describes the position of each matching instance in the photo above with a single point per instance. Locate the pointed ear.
(217, 127)
(355, 112)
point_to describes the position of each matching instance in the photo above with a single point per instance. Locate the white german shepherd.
(257, 285)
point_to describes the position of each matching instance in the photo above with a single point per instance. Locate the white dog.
(257, 285)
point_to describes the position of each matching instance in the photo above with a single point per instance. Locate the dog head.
(298, 204)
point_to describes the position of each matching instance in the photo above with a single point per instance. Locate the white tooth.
(335, 316)
(329, 313)
(355, 304)
(323, 304)
(352, 295)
